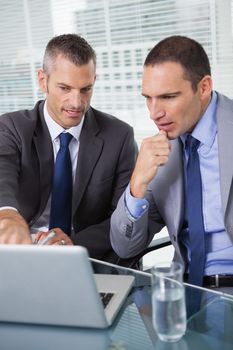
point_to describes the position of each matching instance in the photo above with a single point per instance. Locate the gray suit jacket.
(105, 161)
(166, 195)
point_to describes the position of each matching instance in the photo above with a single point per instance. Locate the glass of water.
(168, 301)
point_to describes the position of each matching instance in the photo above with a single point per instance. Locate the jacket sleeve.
(129, 236)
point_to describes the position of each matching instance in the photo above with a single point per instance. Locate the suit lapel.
(225, 145)
(44, 150)
(90, 149)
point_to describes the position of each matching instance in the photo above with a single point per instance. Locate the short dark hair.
(71, 46)
(185, 51)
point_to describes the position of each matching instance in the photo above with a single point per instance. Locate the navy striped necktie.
(195, 213)
(61, 202)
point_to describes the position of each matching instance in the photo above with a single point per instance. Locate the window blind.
(122, 32)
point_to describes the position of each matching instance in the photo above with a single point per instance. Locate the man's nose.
(156, 110)
(75, 99)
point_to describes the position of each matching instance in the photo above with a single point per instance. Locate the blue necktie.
(61, 203)
(195, 213)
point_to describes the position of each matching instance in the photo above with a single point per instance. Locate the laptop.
(55, 285)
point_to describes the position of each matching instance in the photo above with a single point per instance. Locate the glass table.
(210, 328)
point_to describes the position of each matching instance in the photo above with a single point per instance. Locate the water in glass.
(168, 302)
(169, 314)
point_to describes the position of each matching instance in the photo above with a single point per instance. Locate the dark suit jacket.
(105, 162)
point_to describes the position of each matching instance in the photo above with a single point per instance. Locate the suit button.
(128, 230)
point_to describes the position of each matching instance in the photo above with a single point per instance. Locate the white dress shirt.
(42, 224)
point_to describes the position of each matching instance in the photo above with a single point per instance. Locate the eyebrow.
(63, 84)
(88, 86)
(164, 94)
(71, 87)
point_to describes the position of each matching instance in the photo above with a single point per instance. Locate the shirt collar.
(55, 129)
(206, 123)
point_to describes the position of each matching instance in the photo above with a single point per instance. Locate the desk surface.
(210, 328)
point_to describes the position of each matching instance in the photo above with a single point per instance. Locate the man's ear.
(205, 86)
(42, 80)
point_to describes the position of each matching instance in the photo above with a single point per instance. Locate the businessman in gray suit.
(177, 86)
(102, 153)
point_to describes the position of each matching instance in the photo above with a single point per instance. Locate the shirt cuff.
(6, 207)
(135, 207)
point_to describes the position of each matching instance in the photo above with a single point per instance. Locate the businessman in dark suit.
(102, 153)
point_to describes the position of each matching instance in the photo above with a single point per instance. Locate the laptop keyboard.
(106, 297)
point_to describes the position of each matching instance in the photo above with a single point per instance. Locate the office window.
(122, 32)
(106, 76)
(128, 75)
(117, 76)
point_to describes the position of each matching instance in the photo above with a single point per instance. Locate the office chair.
(136, 261)
(157, 244)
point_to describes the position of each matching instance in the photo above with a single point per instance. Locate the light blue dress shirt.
(135, 207)
(219, 249)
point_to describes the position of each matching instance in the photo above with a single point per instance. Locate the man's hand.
(59, 238)
(13, 228)
(154, 152)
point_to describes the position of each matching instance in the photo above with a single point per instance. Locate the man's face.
(173, 105)
(68, 90)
